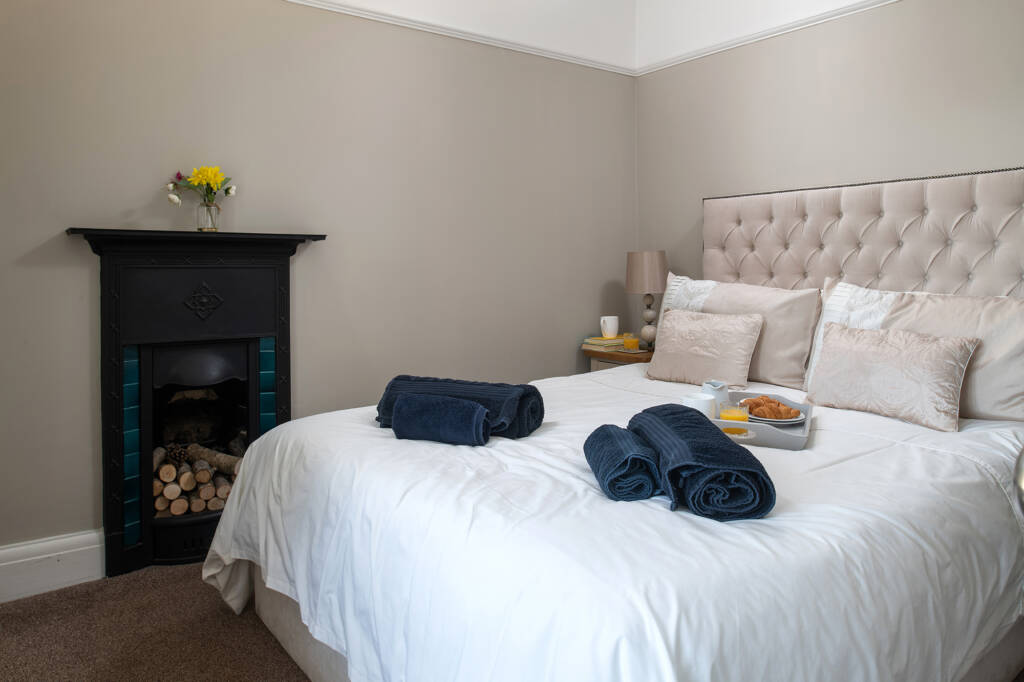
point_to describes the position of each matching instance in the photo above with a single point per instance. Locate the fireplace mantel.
(106, 240)
(197, 294)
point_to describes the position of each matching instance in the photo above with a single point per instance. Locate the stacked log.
(222, 486)
(203, 471)
(178, 506)
(196, 504)
(224, 463)
(171, 491)
(206, 491)
(186, 479)
(195, 479)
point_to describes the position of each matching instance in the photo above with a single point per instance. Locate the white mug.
(610, 326)
(702, 402)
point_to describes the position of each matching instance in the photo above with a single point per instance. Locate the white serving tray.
(769, 435)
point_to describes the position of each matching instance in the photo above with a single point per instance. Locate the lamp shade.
(646, 272)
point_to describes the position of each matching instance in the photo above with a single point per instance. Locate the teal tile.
(132, 533)
(131, 511)
(266, 382)
(267, 361)
(267, 422)
(131, 488)
(268, 402)
(131, 441)
(131, 418)
(130, 372)
(267, 343)
(131, 353)
(130, 395)
(131, 464)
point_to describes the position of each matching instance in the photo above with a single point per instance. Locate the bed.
(893, 552)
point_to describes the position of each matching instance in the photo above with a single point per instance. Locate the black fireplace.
(194, 353)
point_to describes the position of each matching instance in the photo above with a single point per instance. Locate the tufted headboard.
(955, 234)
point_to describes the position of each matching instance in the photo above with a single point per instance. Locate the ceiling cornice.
(761, 35)
(626, 69)
(344, 8)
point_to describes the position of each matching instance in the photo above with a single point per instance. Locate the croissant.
(769, 408)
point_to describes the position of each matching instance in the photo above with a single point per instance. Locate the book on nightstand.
(611, 349)
(591, 346)
(603, 342)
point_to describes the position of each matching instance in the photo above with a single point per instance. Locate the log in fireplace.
(194, 354)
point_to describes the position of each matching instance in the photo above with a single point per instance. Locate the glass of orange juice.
(734, 413)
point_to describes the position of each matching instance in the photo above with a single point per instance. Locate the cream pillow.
(694, 347)
(894, 373)
(994, 385)
(790, 317)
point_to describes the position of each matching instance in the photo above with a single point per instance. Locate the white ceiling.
(672, 31)
(626, 36)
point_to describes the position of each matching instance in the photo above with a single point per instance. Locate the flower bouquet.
(207, 182)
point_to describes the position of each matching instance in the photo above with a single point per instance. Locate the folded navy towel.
(513, 411)
(701, 467)
(625, 468)
(440, 418)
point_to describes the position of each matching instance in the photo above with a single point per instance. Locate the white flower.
(230, 191)
(169, 186)
(174, 199)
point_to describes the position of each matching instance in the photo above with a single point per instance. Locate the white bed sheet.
(893, 551)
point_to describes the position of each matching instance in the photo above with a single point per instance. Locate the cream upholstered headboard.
(956, 234)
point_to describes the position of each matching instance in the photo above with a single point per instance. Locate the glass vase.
(207, 217)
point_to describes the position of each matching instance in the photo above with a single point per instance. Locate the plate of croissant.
(768, 410)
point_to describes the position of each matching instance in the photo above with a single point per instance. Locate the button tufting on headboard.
(955, 234)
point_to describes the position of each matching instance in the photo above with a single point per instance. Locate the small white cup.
(703, 402)
(610, 326)
(719, 390)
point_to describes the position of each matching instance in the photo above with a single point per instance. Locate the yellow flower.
(207, 175)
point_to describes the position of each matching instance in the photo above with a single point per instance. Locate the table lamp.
(646, 272)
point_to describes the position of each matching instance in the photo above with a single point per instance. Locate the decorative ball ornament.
(649, 331)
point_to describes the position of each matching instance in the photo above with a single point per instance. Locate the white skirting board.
(38, 566)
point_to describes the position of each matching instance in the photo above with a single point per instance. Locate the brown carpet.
(160, 623)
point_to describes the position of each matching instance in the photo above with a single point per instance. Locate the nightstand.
(604, 359)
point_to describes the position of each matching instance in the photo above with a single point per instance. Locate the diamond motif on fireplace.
(203, 301)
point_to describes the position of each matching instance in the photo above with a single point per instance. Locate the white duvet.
(893, 551)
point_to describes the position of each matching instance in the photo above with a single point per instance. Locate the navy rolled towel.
(625, 468)
(513, 411)
(441, 419)
(529, 413)
(701, 468)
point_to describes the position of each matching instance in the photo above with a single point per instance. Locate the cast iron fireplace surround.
(189, 308)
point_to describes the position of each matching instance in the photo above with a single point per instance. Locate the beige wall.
(917, 87)
(477, 203)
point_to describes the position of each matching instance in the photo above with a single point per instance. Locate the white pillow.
(780, 356)
(892, 372)
(994, 385)
(695, 347)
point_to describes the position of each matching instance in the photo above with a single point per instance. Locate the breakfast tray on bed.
(768, 435)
